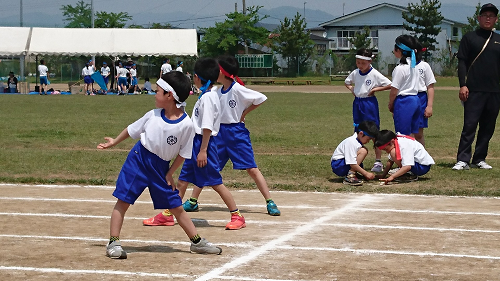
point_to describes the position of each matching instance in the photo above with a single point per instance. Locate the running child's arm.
(403, 170)
(430, 101)
(110, 142)
(175, 165)
(201, 159)
(378, 89)
(367, 175)
(392, 97)
(248, 110)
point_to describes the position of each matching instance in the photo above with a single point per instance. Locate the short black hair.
(42, 61)
(383, 137)
(410, 42)
(365, 52)
(369, 127)
(207, 69)
(179, 82)
(146, 79)
(229, 64)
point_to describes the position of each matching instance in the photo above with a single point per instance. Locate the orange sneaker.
(237, 222)
(159, 220)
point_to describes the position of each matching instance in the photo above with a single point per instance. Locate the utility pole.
(235, 7)
(21, 14)
(92, 22)
(244, 12)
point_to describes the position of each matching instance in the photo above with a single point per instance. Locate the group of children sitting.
(410, 101)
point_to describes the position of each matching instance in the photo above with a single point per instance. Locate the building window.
(455, 31)
(321, 49)
(343, 38)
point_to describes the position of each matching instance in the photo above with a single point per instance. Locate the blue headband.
(205, 86)
(406, 48)
(357, 130)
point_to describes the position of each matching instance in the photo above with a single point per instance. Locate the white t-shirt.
(87, 71)
(235, 100)
(348, 149)
(426, 76)
(365, 82)
(413, 152)
(105, 71)
(122, 72)
(405, 79)
(133, 72)
(207, 112)
(163, 137)
(42, 69)
(165, 68)
(179, 68)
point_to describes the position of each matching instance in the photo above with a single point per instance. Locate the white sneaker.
(461, 165)
(114, 250)
(378, 167)
(205, 247)
(393, 171)
(482, 165)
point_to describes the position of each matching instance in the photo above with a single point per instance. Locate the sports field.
(59, 233)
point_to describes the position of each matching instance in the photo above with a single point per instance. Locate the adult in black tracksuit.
(479, 78)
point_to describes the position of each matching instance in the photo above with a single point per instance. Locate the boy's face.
(161, 98)
(197, 81)
(364, 139)
(389, 147)
(363, 65)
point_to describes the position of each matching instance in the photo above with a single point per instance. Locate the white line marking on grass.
(260, 222)
(428, 212)
(366, 251)
(83, 271)
(273, 244)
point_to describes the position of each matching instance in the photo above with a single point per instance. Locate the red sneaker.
(237, 222)
(159, 220)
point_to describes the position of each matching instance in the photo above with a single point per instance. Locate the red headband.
(231, 76)
(384, 145)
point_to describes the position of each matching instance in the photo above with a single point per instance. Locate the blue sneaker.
(190, 207)
(272, 209)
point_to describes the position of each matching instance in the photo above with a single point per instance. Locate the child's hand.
(109, 143)
(170, 181)
(387, 180)
(369, 176)
(201, 160)
(428, 112)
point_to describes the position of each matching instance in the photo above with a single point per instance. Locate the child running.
(425, 94)
(403, 99)
(203, 167)
(347, 159)
(233, 140)
(165, 133)
(408, 154)
(367, 80)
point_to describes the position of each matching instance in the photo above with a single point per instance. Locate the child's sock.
(235, 212)
(113, 239)
(269, 200)
(193, 200)
(377, 160)
(166, 213)
(195, 239)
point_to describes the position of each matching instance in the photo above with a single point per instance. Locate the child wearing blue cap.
(105, 71)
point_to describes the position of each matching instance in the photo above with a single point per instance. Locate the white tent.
(15, 41)
(113, 42)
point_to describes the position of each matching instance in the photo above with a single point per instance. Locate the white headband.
(363, 57)
(165, 86)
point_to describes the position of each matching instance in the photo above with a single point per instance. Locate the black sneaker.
(408, 177)
(352, 180)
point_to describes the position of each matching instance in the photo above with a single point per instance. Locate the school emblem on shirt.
(232, 103)
(196, 113)
(171, 140)
(368, 82)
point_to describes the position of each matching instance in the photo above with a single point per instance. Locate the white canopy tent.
(15, 41)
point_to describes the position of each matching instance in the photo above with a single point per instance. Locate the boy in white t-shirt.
(348, 157)
(44, 73)
(367, 80)
(166, 67)
(408, 154)
(105, 71)
(165, 133)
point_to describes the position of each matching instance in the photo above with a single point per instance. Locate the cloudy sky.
(194, 13)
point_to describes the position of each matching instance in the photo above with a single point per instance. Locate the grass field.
(53, 139)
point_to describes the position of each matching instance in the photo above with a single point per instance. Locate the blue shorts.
(134, 81)
(365, 109)
(407, 114)
(233, 142)
(206, 176)
(340, 168)
(106, 79)
(43, 80)
(88, 80)
(419, 169)
(424, 122)
(145, 169)
(122, 81)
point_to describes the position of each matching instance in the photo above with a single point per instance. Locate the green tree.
(360, 40)
(293, 43)
(424, 19)
(236, 31)
(80, 16)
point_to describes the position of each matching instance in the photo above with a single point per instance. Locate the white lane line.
(273, 244)
(260, 222)
(80, 200)
(426, 212)
(391, 252)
